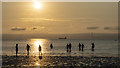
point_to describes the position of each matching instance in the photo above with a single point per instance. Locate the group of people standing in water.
(28, 49)
(68, 47)
(81, 47)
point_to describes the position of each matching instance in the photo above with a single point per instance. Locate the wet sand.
(59, 61)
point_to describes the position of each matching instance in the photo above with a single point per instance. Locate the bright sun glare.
(37, 5)
(37, 43)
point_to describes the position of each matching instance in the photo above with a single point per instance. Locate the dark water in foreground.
(60, 61)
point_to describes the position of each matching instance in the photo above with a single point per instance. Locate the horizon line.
(61, 0)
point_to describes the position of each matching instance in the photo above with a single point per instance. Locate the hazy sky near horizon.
(62, 0)
(59, 18)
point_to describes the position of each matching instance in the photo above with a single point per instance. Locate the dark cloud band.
(18, 29)
(92, 28)
(110, 28)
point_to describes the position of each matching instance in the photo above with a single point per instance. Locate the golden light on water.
(36, 43)
(37, 64)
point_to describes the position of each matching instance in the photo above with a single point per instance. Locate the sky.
(59, 18)
(62, 0)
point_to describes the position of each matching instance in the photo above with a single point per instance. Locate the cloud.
(107, 28)
(18, 29)
(81, 19)
(34, 28)
(44, 19)
(110, 28)
(92, 28)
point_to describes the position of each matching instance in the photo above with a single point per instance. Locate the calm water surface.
(102, 47)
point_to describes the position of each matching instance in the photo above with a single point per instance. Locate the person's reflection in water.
(40, 56)
(16, 49)
(16, 64)
(68, 53)
(93, 50)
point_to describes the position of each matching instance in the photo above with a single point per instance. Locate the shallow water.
(102, 47)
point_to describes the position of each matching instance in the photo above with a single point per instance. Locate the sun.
(37, 5)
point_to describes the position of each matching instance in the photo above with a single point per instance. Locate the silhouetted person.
(16, 49)
(40, 49)
(28, 48)
(93, 46)
(80, 46)
(51, 46)
(70, 46)
(67, 46)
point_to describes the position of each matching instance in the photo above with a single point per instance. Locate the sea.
(102, 47)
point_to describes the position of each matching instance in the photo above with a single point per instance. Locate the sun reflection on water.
(36, 43)
(37, 64)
